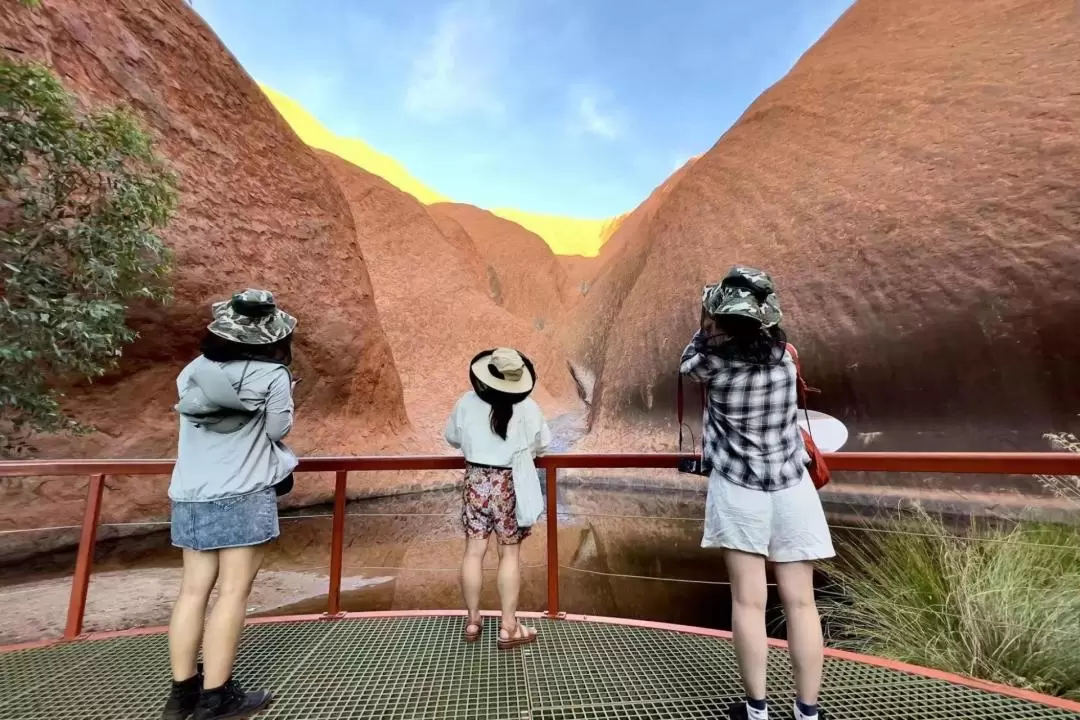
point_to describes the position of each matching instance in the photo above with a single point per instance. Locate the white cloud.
(594, 114)
(457, 71)
(597, 122)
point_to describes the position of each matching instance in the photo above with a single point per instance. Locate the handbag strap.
(679, 407)
(800, 386)
(680, 404)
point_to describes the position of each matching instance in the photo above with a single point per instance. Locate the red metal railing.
(982, 463)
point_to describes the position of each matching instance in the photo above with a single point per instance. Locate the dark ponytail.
(501, 412)
(502, 403)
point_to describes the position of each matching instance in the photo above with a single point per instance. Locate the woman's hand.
(708, 325)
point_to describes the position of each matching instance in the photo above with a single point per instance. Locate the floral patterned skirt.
(489, 505)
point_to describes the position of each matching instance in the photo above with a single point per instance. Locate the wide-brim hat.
(745, 292)
(251, 317)
(504, 370)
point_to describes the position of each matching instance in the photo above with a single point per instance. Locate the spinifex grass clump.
(998, 604)
(1064, 486)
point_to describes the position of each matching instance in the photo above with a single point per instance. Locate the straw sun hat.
(505, 370)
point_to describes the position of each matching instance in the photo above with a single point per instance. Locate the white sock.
(755, 714)
(800, 715)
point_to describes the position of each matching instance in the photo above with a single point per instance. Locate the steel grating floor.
(417, 667)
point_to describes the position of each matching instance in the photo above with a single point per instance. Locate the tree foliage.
(82, 198)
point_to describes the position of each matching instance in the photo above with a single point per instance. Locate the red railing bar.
(552, 542)
(337, 543)
(80, 582)
(1050, 463)
(1045, 463)
(41, 468)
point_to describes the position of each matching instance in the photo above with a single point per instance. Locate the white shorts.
(784, 526)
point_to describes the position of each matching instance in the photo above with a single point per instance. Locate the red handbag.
(819, 471)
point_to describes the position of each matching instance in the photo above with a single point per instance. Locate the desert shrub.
(997, 603)
(1064, 486)
(83, 195)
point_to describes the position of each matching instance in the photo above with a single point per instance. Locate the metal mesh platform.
(417, 667)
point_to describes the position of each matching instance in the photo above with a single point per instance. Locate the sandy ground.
(141, 598)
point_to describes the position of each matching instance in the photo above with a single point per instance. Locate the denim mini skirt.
(227, 523)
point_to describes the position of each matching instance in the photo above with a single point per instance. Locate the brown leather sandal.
(514, 641)
(471, 637)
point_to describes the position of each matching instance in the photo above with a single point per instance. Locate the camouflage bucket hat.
(747, 292)
(251, 318)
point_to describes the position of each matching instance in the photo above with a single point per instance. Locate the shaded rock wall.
(437, 313)
(257, 209)
(914, 187)
(531, 282)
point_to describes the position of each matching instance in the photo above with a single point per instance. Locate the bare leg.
(238, 568)
(748, 596)
(509, 583)
(189, 612)
(509, 592)
(796, 581)
(472, 579)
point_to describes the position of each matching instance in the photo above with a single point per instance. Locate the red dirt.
(257, 209)
(436, 314)
(912, 185)
(531, 282)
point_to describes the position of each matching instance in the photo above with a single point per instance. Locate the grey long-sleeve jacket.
(215, 465)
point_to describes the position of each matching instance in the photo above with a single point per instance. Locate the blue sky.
(570, 107)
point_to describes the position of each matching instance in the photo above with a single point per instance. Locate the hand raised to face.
(708, 325)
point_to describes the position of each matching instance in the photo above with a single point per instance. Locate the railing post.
(553, 541)
(84, 561)
(337, 543)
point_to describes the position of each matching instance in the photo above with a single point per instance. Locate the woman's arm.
(541, 439)
(696, 363)
(452, 433)
(279, 406)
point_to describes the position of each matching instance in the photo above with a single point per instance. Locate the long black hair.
(218, 349)
(745, 340)
(502, 403)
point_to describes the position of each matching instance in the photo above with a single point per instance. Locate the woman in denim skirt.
(235, 409)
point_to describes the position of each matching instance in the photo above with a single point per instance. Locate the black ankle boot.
(230, 701)
(183, 697)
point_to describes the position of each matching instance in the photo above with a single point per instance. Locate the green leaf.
(90, 198)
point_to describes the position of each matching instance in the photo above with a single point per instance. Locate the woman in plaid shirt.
(761, 504)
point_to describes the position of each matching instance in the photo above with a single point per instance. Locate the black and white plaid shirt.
(751, 431)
